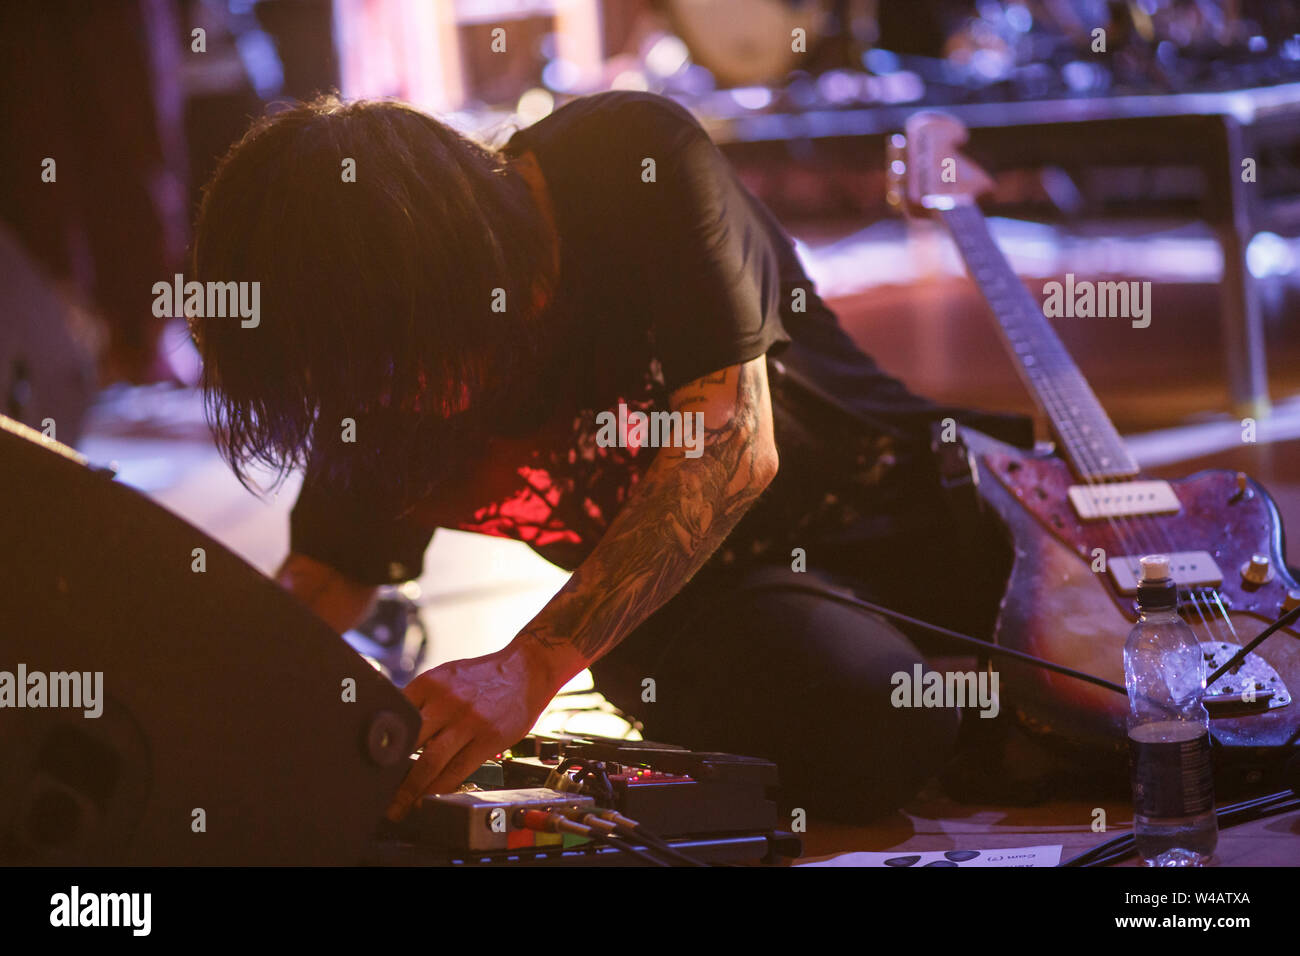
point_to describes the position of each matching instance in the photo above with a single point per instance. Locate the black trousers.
(741, 663)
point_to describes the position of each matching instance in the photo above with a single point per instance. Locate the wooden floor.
(477, 592)
(933, 822)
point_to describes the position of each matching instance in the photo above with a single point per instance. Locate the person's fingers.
(469, 759)
(439, 750)
(436, 709)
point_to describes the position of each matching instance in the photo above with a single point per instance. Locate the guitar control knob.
(1291, 601)
(1258, 570)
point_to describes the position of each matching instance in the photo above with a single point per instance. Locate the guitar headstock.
(926, 170)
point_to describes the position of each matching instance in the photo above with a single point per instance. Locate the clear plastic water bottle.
(1168, 729)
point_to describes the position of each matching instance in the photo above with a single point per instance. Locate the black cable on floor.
(1124, 846)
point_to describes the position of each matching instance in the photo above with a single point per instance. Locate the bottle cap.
(1156, 587)
(1155, 567)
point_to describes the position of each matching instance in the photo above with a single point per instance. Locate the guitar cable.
(607, 828)
(1122, 847)
(996, 650)
(999, 650)
(1288, 618)
(593, 779)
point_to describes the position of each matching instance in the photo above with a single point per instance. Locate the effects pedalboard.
(586, 800)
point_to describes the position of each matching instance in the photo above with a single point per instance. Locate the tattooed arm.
(674, 519)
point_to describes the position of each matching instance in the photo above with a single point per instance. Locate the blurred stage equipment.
(471, 54)
(393, 637)
(47, 351)
(1163, 123)
(748, 42)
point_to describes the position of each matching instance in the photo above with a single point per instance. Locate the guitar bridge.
(1252, 687)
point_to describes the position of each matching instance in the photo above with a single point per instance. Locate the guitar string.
(1215, 615)
(1084, 451)
(1210, 624)
(1125, 530)
(1150, 543)
(1218, 599)
(1047, 393)
(1147, 532)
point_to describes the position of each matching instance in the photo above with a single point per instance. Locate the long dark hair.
(376, 295)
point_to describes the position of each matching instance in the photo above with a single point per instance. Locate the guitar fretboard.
(1091, 444)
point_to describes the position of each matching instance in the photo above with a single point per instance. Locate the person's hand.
(470, 711)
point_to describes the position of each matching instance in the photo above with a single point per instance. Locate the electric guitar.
(1081, 514)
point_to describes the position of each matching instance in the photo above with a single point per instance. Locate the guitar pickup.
(1189, 569)
(1123, 499)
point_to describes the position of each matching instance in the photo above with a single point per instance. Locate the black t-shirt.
(670, 270)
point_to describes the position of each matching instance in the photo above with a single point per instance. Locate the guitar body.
(1058, 608)
(1080, 521)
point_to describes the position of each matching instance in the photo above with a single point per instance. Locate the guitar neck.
(1090, 442)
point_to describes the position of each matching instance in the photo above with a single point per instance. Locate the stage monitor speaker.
(233, 726)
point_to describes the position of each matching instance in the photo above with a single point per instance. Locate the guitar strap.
(950, 462)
